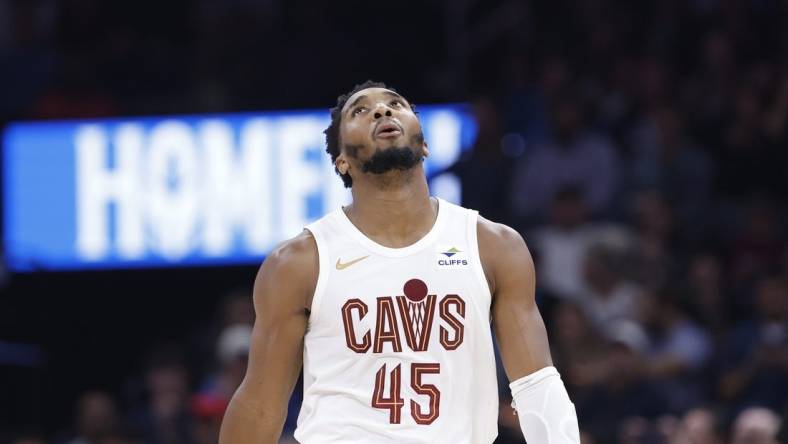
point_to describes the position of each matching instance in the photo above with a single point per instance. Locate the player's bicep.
(276, 347)
(275, 354)
(519, 328)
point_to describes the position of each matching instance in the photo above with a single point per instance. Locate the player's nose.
(381, 110)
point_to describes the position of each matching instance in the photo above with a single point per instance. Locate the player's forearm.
(247, 422)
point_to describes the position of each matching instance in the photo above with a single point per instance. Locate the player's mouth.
(387, 130)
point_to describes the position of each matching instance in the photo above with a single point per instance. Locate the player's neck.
(393, 216)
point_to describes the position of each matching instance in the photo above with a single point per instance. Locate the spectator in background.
(208, 412)
(209, 404)
(750, 162)
(577, 348)
(234, 308)
(524, 105)
(756, 425)
(165, 417)
(96, 417)
(484, 171)
(759, 247)
(555, 76)
(608, 296)
(697, 426)
(237, 308)
(664, 159)
(657, 243)
(563, 245)
(575, 156)
(625, 392)
(755, 356)
(653, 81)
(639, 430)
(678, 352)
(232, 352)
(705, 295)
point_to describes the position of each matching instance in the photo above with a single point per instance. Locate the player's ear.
(342, 164)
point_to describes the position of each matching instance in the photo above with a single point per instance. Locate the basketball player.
(388, 301)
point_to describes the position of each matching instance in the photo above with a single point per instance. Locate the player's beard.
(391, 159)
(395, 158)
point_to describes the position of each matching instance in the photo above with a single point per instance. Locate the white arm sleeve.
(546, 414)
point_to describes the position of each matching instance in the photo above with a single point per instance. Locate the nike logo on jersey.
(341, 266)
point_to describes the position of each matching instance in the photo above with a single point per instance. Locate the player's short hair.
(333, 145)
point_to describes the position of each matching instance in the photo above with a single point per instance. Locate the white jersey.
(398, 348)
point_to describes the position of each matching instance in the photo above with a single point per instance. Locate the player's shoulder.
(497, 235)
(502, 250)
(296, 257)
(288, 275)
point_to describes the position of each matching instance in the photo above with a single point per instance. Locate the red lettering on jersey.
(386, 327)
(393, 402)
(350, 331)
(416, 371)
(417, 318)
(454, 323)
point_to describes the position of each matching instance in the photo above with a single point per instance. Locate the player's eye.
(357, 111)
(396, 102)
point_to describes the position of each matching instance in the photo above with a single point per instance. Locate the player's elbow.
(250, 419)
(260, 406)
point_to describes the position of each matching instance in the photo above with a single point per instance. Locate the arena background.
(639, 147)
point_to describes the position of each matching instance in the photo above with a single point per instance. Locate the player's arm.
(282, 293)
(546, 414)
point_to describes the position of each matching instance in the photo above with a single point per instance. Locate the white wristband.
(546, 414)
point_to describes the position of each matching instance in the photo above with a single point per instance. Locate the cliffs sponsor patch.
(451, 256)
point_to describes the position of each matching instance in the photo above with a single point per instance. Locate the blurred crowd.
(647, 175)
(178, 395)
(639, 147)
